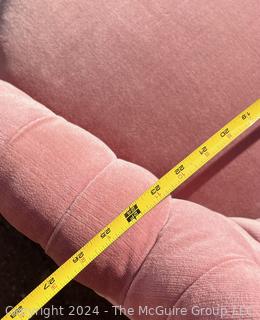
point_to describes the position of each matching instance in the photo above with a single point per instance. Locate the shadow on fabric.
(3, 5)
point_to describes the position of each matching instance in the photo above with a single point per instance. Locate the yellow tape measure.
(127, 218)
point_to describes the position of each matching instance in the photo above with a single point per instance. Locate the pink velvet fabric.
(59, 185)
(152, 79)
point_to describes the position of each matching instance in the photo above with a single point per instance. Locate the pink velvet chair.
(152, 80)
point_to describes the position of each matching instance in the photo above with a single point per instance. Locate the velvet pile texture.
(111, 94)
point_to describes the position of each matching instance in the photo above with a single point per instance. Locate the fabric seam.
(24, 128)
(67, 211)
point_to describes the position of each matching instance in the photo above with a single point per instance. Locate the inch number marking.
(105, 233)
(179, 170)
(245, 115)
(79, 257)
(155, 189)
(49, 283)
(16, 312)
(132, 213)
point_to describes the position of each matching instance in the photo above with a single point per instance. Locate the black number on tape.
(16, 312)
(79, 256)
(49, 283)
(224, 132)
(179, 170)
(155, 189)
(105, 233)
